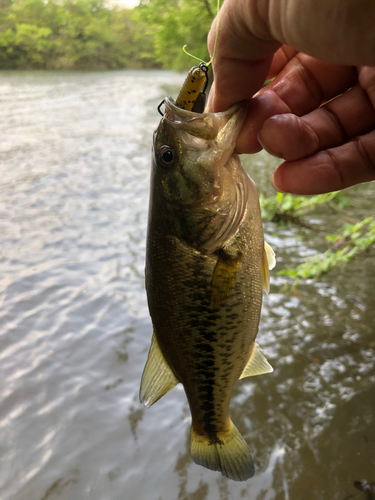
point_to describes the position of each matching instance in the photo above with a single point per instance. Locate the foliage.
(351, 241)
(176, 23)
(74, 34)
(86, 34)
(285, 208)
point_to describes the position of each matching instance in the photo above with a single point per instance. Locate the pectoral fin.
(268, 262)
(257, 364)
(271, 257)
(224, 278)
(157, 378)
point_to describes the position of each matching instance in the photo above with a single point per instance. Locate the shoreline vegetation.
(89, 35)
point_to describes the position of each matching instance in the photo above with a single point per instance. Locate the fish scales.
(204, 278)
(201, 340)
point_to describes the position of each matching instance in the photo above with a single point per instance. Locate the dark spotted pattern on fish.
(209, 366)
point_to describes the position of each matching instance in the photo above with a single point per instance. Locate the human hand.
(327, 144)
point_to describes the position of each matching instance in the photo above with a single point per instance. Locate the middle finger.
(291, 137)
(303, 85)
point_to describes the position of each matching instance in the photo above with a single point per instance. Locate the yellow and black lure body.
(192, 95)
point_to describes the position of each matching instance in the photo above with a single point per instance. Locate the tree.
(176, 23)
(74, 34)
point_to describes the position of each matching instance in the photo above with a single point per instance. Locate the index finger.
(302, 86)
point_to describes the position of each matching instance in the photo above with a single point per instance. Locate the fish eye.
(166, 156)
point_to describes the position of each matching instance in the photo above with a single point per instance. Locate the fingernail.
(274, 185)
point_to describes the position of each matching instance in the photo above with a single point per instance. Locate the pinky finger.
(329, 170)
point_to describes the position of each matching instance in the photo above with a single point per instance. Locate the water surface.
(75, 330)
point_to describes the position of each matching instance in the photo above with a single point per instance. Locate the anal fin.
(157, 378)
(257, 364)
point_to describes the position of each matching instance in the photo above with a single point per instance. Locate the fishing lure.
(192, 96)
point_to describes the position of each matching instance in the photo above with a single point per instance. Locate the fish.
(206, 268)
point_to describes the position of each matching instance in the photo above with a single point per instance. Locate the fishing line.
(191, 96)
(216, 35)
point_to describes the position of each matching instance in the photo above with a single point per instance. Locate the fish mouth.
(205, 125)
(183, 114)
(210, 171)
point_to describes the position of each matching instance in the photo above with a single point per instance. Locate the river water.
(75, 329)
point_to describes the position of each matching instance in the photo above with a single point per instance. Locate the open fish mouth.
(204, 125)
(170, 105)
(205, 175)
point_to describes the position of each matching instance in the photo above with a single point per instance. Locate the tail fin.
(229, 454)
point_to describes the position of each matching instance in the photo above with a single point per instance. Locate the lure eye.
(166, 156)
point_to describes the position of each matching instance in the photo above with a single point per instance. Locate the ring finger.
(292, 137)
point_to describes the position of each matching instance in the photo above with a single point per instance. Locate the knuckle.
(365, 148)
(366, 79)
(309, 81)
(336, 165)
(334, 118)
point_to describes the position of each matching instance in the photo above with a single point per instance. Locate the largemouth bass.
(206, 266)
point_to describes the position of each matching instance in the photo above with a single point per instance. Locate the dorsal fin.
(257, 364)
(157, 378)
